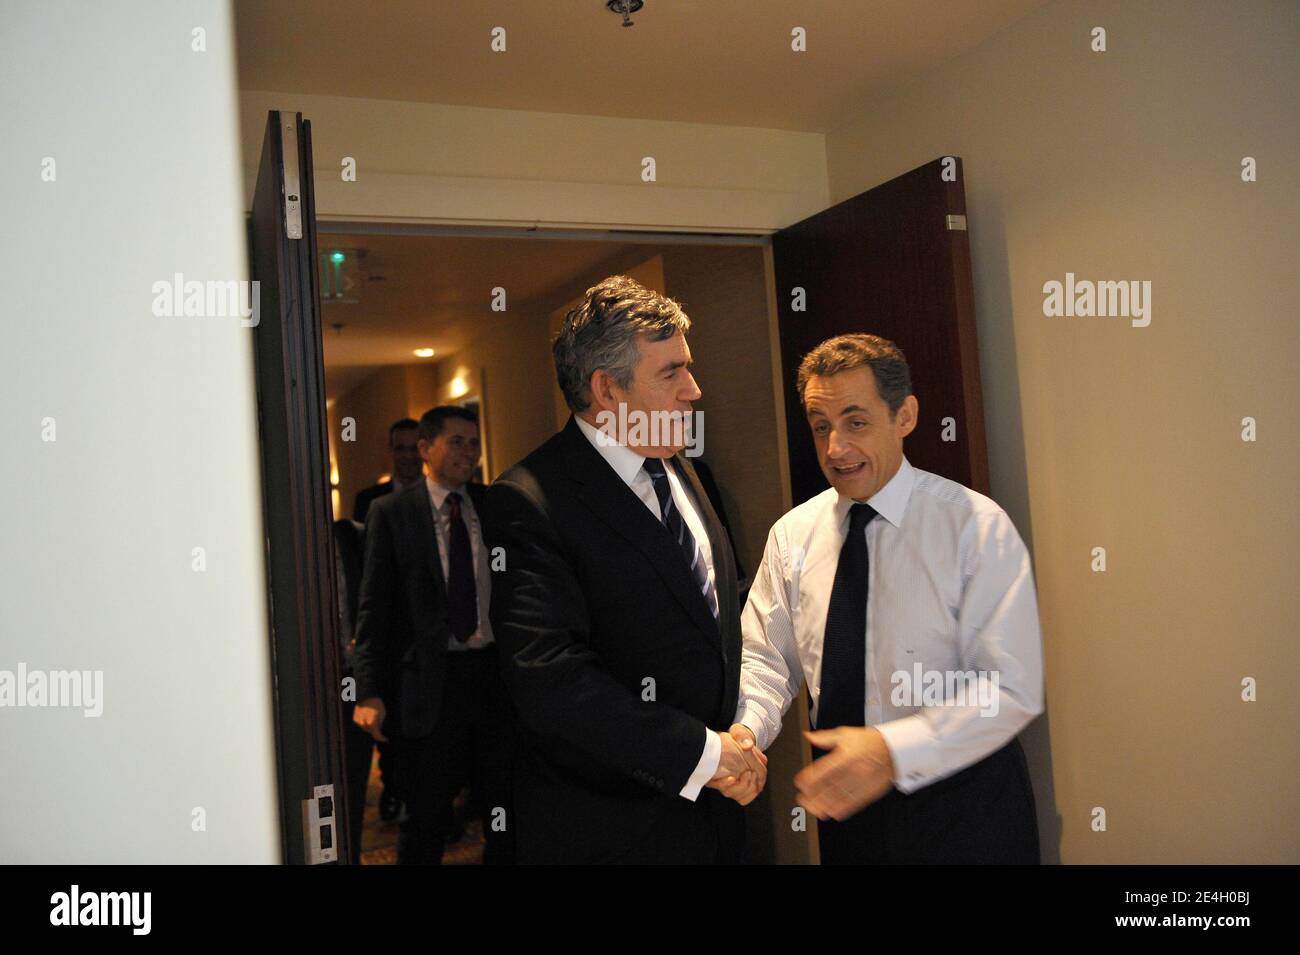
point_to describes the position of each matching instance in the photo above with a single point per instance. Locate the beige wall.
(508, 367)
(471, 166)
(153, 461)
(1126, 165)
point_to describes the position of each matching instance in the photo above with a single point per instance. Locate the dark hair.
(602, 332)
(400, 425)
(431, 421)
(846, 352)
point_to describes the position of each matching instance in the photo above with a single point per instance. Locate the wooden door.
(893, 261)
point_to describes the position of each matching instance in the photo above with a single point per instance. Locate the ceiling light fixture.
(424, 353)
(626, 8)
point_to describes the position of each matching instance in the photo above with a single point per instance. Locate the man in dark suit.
(403, 445)
(617, 609)
(407, 471)
(358, 744)
(425, 660)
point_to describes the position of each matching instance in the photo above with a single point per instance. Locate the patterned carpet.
(379, 838)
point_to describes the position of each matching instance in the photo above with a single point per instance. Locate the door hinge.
(320, 833)
(292, 179)
(957, 223)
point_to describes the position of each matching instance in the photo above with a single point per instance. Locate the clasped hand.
(742, 770)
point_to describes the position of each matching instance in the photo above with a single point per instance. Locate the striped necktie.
(676, 526)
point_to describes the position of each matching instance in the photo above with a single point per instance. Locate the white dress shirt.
(482, 571)
(630, 467)
(951, 592)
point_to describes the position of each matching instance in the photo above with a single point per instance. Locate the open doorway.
(892, 260)
(415, 319)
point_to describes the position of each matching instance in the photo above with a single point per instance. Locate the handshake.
(742, 770)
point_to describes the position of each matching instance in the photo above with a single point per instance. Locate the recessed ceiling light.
(424, 353)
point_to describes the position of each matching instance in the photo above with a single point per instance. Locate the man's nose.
(835, 446)
(693, 392)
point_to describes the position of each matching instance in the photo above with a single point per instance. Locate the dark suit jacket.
(349, 550)
(402, 629)
(595, 599)
(368, 496)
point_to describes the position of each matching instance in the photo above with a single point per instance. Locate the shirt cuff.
(706, 767)
(754, 720)
(914, 750)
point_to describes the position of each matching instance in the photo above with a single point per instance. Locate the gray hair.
(602, 331)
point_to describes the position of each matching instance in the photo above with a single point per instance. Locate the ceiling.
(432, 291)
(727, 62)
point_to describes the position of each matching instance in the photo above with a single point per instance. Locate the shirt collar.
(625, 462)
(890, 501)
(438, 493)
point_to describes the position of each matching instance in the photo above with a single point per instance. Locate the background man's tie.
(672, 520)
(844, 650)
(462, 596)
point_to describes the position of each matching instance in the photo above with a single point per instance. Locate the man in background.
(426, 663)
(403, 436)
(407, 469)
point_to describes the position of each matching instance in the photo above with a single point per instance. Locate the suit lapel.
(724, 568)
(618, 507)
(420, 523)
(728, 588)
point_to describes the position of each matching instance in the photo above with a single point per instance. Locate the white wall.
(461, 165)
(1125, 165)
(155, 451)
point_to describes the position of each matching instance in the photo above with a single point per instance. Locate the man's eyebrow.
(852, 408)
(674, 365)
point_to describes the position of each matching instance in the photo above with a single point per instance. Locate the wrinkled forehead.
(842, 393)
(662, 354)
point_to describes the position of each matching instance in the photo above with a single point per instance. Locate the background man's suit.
(596, 599)
(367, 496)
(401, 657)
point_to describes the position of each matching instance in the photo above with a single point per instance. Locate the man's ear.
(601, 388)
(908, 413)
(424, 447)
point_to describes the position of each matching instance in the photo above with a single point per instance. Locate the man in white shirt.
(906, 601)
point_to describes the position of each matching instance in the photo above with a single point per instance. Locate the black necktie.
(672, 520)
(844, 651)
(462, 597)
